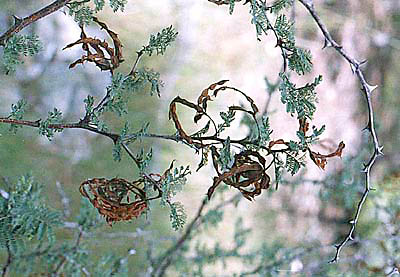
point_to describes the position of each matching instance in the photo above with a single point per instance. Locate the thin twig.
(165, 261)
(133, 70)
(22, 23)
(8, 262)
(367, 90)
(78, 125)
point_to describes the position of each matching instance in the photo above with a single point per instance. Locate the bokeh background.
(308, 211)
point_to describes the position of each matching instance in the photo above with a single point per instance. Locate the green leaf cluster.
(24, 216)
(173, 183)
(264, 132)
(228, 118)
(279, 5)
(144, 159)
(116, 151)
(17, 112)
(17, 46)
(300, 101)
(259, 17)
(225, 158)
(159, 43)
(118, 5)
(54, 117)
(177, 215)
(82, 13)
(122, 87)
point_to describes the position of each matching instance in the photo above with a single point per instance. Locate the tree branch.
(22, 23)
(367, 90)
(79, 125)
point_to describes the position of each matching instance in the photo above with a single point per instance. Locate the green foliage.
(279, 5)
(99, 5)
(300, 61)
(299, 100)
(171, 185)
(54, 117)
(228, 118)
(225, 159)
(177, 215)
(82, 13)
(27, 220)
(17, 45)
(259, 17)
(118, 5)
(138, 135)
(88, 218)
(294, 163)
(116, 151)
(231, 6)
(278, 168)
(144, 159)
(151, 77)
(265, 132)
(17, 112)
(122, 87)
(25, 217)
(285, 32)
(159, 43)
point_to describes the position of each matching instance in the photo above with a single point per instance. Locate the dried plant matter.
(99, 58)
(120, 200)
(249, 165)
(112, 198)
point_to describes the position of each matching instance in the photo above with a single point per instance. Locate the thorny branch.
(22, 23)
(367, 90)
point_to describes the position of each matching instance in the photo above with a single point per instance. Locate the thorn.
(380, 150)
(327, 43)
(352, 222)
(370, 88)
(333, 261)
(351, 238)
(365, 169)
(17, 20)
(362, 62)
(366, 128)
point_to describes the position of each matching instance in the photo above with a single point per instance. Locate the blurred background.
(309, 212)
